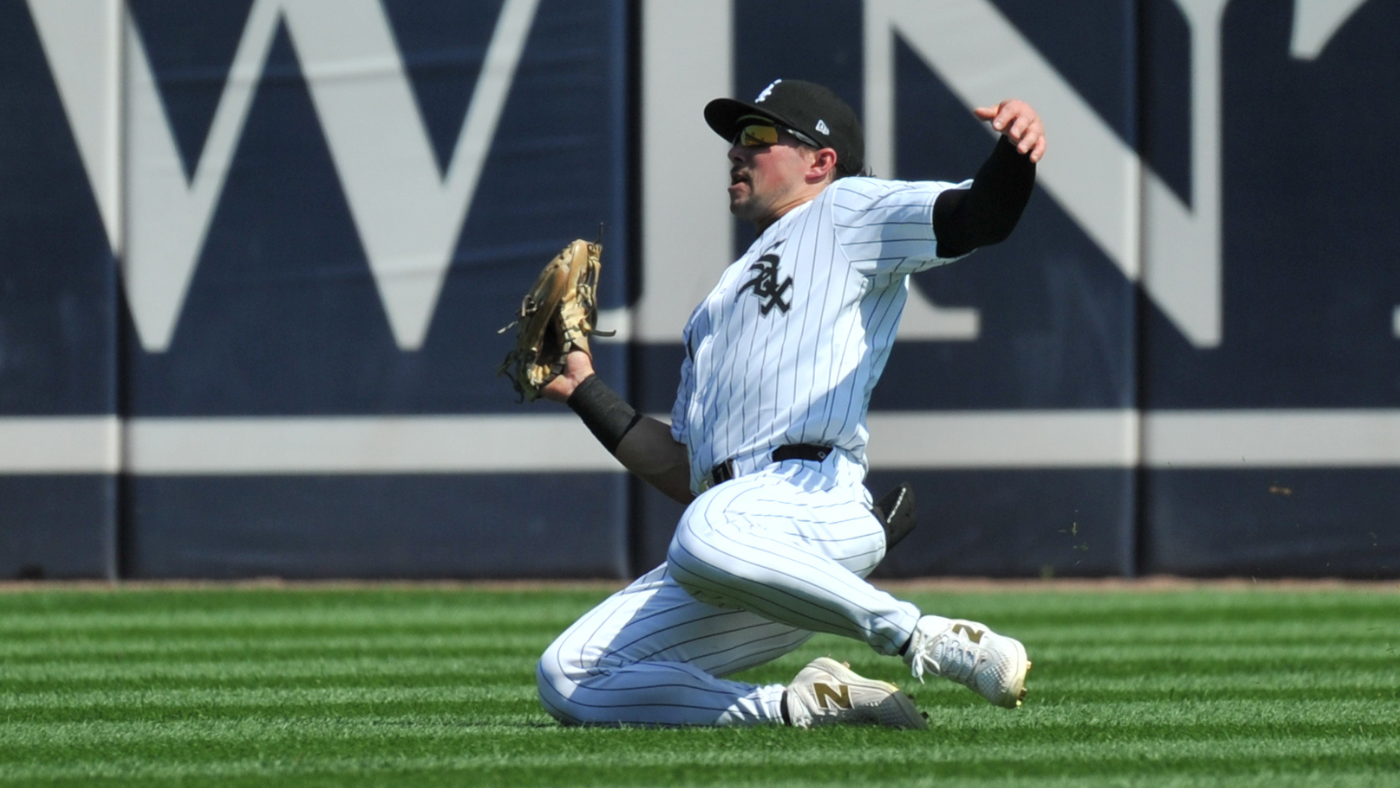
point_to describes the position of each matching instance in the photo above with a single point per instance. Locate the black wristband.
(605, 413)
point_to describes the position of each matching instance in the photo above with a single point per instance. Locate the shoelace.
(949, 655)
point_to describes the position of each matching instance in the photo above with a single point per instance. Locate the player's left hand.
(1018, 123)
(578, 366)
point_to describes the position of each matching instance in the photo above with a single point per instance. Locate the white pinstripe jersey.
(789, 345)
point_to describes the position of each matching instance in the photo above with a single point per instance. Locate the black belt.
(794, 451)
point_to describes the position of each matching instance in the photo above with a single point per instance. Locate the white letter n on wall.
(407, 213)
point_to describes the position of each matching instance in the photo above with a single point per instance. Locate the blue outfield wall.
(284, 316)
(254, 259)
(58, 340)
(1311, 297)
(322, 222)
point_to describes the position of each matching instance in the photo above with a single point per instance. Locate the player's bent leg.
(653, 655)
(730, 549)
(793, 555)
(653, 694)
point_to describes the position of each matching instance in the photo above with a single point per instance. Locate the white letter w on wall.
(408, 214)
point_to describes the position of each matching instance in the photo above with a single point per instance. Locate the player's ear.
(823, 163)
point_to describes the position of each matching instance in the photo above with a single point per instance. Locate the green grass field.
(435, 686)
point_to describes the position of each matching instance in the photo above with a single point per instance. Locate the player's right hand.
(1019, 123)
(577, 367)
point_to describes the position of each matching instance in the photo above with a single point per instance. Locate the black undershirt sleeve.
(604, 412)
(986, 212)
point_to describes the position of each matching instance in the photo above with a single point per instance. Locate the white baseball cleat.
(994, 666)
(827, 692)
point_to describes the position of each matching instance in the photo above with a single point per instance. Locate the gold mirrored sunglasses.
(756, 135)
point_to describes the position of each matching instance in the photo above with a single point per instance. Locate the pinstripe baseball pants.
(757, 565)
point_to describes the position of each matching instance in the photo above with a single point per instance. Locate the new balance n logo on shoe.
(828, 692)
(829, 697)
(973, 634)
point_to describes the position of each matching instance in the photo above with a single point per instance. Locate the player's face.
(766, 181)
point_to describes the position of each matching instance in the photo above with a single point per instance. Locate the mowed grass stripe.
(16, 709)
(236, 646)
(395, 737)
(97, 610)
(249, 627)
(560, 764)
(482, 704)
(483, 672)
(1380, 628)
(415, 775)
(61, 699)
(134, 704)
(1260, 682)
(112, 610)
(385, 677)
(222, 600)
(1104, 661)
(393, 749)
(235, 642)
(1170, 610)
(1383, 625)
(250, 720)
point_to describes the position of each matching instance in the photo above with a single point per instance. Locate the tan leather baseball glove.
(557, 315)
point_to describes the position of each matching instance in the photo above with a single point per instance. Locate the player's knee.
(701, 588)
(689, 557)
(556, 685)
(699, 565)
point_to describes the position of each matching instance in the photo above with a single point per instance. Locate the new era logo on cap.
(821, 126)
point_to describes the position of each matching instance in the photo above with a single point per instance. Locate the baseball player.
(767, 439)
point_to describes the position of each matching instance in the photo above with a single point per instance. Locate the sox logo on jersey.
(765, 285)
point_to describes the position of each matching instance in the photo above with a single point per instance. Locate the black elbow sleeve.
(989, 210)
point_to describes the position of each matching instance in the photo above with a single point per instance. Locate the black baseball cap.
(805, 106)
